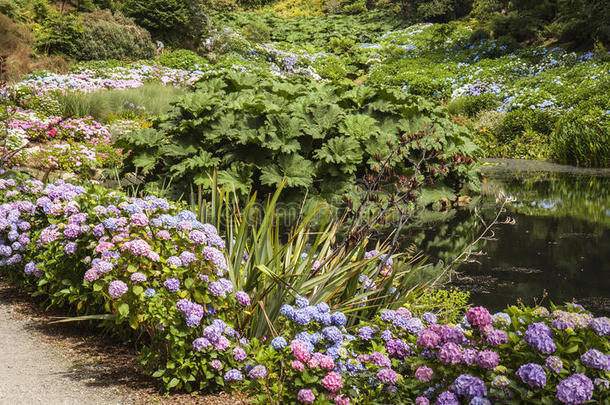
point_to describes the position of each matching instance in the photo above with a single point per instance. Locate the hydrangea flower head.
(575, 389)
(117, 288)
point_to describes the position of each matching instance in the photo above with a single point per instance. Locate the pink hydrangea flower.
(332, 381)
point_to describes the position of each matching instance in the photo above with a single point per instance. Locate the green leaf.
(359, 126)
(296, 170)
(124, 309)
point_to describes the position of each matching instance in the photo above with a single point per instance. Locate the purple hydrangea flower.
(424, 374)
(242, 298)
(532, 374)
(387, 376)
(469, 387)
(306, 396)
(172, 284)
(601, 326)
(450, 353)
(539, 336)
(239, 354)
(488, 359)
(595, 359)
(575, 389)
(447, 398)
(259, 371)
(233, 375)
(496, 338)
(366, 333)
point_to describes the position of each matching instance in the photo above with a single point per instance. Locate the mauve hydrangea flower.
(601, 326)
(429, 318)
(428, 339)
(422, 401)
(496, 337)
(138, 277)
(139, 219)
(424, 374)
(450, 353)
(478, 316)
(187, 258)
(447, 398)
(554, 364)
(242, 298)
(117, 288)
(221, 344)
(539, 336)
(488, 359)
(593, 358)
(387, 376)
(164, 235)
(532, 374)
(72, 231)
(342, 399)
(297, 365)
(575, 389)
(239, 354)
(172, 284)
(366, 333)
(216, 257)
(479, 401)
(197, 237)
(404, 313)
(306, 396)
(398, 348)
(379, 359)
(233, 375)
(91, 275)
(469, 387)
(332, 381)
(70, 248)
(138, 247)
(323, 361)
(216, 364)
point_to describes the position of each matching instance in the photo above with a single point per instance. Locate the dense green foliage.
(176, 22)
(108, 36)
(261, 131)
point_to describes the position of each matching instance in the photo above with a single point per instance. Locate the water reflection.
(560, 243)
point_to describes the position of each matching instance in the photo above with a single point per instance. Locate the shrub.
(60, 34)
(257, 31)
(108, 36)
(172, 21)
(522, 354)
(182, 59)
(322, 138)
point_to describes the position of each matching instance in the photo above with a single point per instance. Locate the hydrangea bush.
(151, 264)
(153, 267)
(522, 355)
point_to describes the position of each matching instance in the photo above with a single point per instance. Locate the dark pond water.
(558, 248)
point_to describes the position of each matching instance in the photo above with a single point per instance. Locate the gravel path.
(36, 372)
